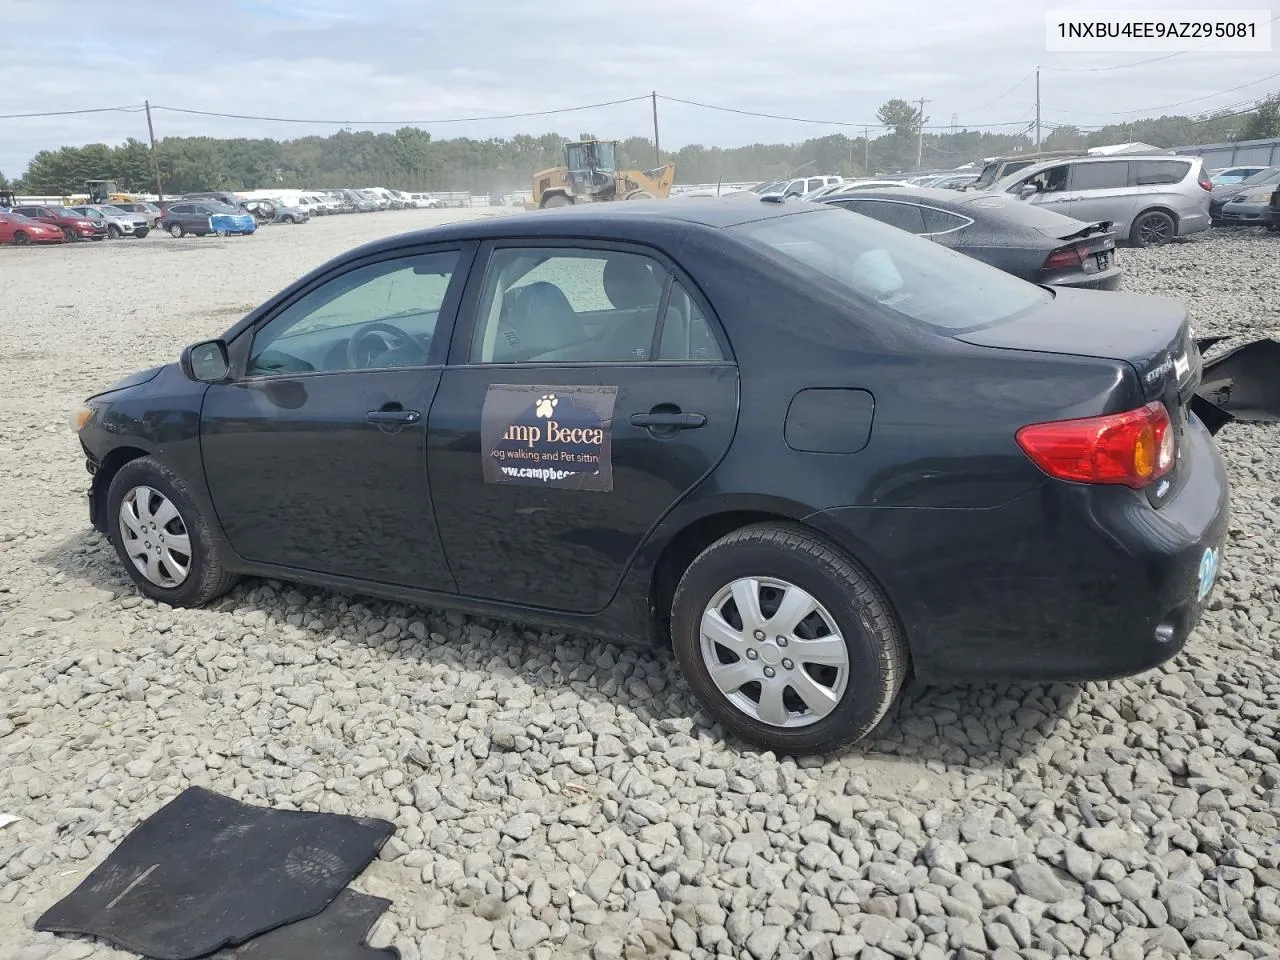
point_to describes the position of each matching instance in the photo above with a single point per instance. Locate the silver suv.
(1148, 199)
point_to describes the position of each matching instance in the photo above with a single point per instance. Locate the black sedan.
(815, 452)
(1028, 241)
(1223, 193)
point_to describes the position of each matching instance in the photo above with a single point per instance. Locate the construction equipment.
(106, 191)
(590, 174)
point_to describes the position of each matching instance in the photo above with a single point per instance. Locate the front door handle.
(668, 421)
(394, 416)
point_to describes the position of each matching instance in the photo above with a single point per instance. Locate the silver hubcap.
(154, 537)
(774, 652)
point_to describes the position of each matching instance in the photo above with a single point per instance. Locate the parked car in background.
(149, 211)
(203, 217)
(1248, 208)
(955, 182)
(21, 231)
(1030, 242)
(120, 223)
(270, 210)
(1223, 178)
(425, 200)
(876, 459)
(855, 183)
(1149, 199)
(1219, 196)
(799, 186)
(222, 196)
(998, 168)
(74, 226)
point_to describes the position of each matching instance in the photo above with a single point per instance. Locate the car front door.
(315, 451)
(589, 389)
(1052, 188)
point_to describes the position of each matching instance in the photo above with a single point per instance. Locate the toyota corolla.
(812, 451)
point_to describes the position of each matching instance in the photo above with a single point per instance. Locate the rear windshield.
(915, 278)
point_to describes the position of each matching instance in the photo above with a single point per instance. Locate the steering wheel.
(387, 336)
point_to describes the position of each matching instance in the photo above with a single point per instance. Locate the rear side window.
(904, 216)
(1100, 176)
(686, 334)
(1148, 172)
(940, 221)
(882, 267)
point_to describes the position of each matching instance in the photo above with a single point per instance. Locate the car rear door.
(588, 390)
(314, 452)
(1101, 190)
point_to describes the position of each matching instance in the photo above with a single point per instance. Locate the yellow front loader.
(590, 174)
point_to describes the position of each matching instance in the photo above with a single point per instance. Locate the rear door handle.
(394, 416)
(668, 421)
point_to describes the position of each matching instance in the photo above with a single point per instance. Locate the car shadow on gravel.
(929, 731)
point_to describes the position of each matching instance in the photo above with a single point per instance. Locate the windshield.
(64, 212)
(873, 262)
(1269, 175)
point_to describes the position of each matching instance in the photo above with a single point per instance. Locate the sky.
(417, 60)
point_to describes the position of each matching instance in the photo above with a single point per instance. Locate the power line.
(1165, 106)
(989, 103)
(67, 113)
(825, 123)
(400, 123)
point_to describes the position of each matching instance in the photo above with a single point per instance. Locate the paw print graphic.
(546, 405)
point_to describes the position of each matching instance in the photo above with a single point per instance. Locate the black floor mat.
(336, 934)
(205, 872)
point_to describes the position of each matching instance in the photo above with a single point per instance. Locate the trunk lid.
(1152, 335)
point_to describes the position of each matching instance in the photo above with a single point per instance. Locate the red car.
(72, 225)
(15, 228)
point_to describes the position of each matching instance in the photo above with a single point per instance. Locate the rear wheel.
(559, 200)
(787, 640)
(1154, 228)
(21, 239)
(161, 538)
(175, 230)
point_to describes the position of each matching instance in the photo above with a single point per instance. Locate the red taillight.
(1132, 448)
(1204, 181)
(1065, 258)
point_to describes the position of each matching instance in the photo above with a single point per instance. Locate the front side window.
(883, 267)
(904, 216)
(377, 316)
(1050, 180)
(582, 305)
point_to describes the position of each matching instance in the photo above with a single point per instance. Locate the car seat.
(631, 284)
(536, 319)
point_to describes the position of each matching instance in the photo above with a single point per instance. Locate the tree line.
(411, 159)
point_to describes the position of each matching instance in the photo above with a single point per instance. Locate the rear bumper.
(1191, 223)
(1066, 583)
(1106, 280)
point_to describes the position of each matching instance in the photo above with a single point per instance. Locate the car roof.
(921, 194)
(1114, 158)
(632, 219)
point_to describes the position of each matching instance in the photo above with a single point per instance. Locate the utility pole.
(155, 159)
(866, 143)
(920, 141)
(1037, 108)
(657, 150)
(954, 117)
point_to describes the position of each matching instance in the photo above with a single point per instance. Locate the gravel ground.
(555, 797)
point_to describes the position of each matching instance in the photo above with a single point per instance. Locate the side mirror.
(205, 362)
(1027, 190)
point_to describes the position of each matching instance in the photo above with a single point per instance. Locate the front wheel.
(559, 200)
(21, 239)
(786, 640)
(161, 538)
(114, 232)
(175, 230)
(1154, 228)
(69, 235)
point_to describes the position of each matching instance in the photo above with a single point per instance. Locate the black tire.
(877, 650)
(556, 200)
(69, 235)
(1152, 228)
(289, 219)
(206, 578)
(114, 232)
(21, 239)
(175, 230)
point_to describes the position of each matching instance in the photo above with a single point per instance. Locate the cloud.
(399, 60)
